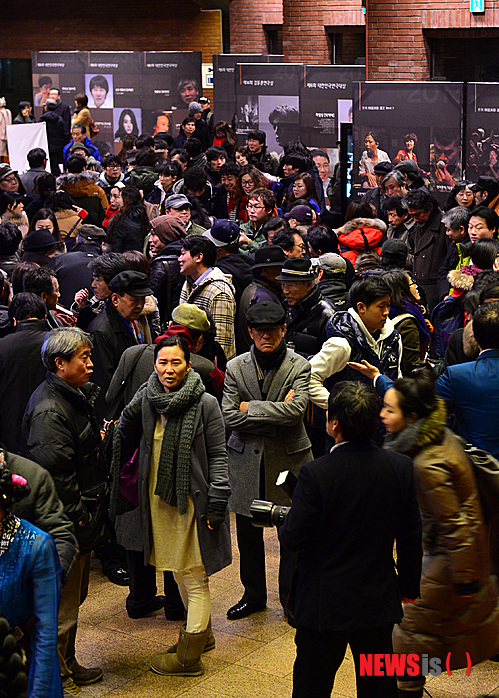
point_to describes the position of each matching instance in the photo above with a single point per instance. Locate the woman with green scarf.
(182, 492)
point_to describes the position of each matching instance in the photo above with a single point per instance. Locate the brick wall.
(97, 25)
(248, 19)
(397, 47)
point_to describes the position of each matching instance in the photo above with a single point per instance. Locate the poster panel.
(224, 91)
(417, 120)
(267, 98)
(326, 99)
(482, 130)
(113, 88)
(62, 69)
(171, 80)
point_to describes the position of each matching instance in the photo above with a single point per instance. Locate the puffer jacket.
(360, 235)
(457, 609)
(306, 323)
(86, 193)
(61, 434)
(127, 232)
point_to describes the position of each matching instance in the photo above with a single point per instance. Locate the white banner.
(21, 138)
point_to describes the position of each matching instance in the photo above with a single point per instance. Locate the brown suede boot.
(187, 659)
(210, 640)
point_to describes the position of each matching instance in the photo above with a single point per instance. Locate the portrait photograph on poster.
(126, 122)
(99, 89)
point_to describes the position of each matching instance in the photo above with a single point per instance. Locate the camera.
(267, 514)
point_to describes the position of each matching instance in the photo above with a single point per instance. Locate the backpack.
(447, 316)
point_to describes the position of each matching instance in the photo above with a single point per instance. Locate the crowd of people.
(185, 320)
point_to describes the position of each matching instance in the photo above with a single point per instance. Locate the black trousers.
(143, 587)
(252, 564)
(319, 656)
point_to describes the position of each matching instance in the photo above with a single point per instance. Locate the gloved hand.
(216, 513)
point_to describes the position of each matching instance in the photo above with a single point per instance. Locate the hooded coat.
(360, 235)
(86, 193)
(457, 609)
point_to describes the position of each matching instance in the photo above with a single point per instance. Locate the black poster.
(418, 121)
(326, 100)
(113, 88)
(224, 90)
(268, 98)
(64, 70)
(482, 130)
(171, 80)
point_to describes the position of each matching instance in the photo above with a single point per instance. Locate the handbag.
(129, 479)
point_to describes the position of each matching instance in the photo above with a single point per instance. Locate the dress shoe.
(118, 576)
(143, 611)
(86, 677)
(243, 609)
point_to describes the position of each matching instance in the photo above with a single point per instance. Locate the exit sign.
(477, 5)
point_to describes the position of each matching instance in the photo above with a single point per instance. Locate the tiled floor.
(253, 656)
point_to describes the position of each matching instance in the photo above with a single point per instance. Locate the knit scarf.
(269, 360)
(179, 406)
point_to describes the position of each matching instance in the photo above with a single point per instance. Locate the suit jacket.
(271, 429)
(471, 391)
(349, 507)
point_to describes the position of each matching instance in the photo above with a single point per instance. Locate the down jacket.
(456, 560)
(61, 434)
(86, 193)
(360, 235)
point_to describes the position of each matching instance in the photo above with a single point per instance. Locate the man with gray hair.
(456, 228)
(61, 434)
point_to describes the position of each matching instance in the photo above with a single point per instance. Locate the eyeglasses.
(255, 208)
(10, 179)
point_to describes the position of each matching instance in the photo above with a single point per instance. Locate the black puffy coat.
(61, 434)
(166, 280)
(306, 323)
(128, 232)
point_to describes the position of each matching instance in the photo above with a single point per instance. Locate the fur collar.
(70, 178)
(462, 280)
(421, 433)
(349, 226)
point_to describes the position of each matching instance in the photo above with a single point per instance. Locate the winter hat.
(41, 239)
(195, 108)
(168, 228)
(223, 232)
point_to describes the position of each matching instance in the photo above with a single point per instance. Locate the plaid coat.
(216, 294)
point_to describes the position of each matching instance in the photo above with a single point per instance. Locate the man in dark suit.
(349, 507)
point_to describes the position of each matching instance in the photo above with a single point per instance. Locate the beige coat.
(455, 552)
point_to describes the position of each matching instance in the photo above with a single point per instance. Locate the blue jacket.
(471, 391)
(92, 150)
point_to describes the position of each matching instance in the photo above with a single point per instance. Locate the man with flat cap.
(264, 287)
(117, 327)
(265, 397)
